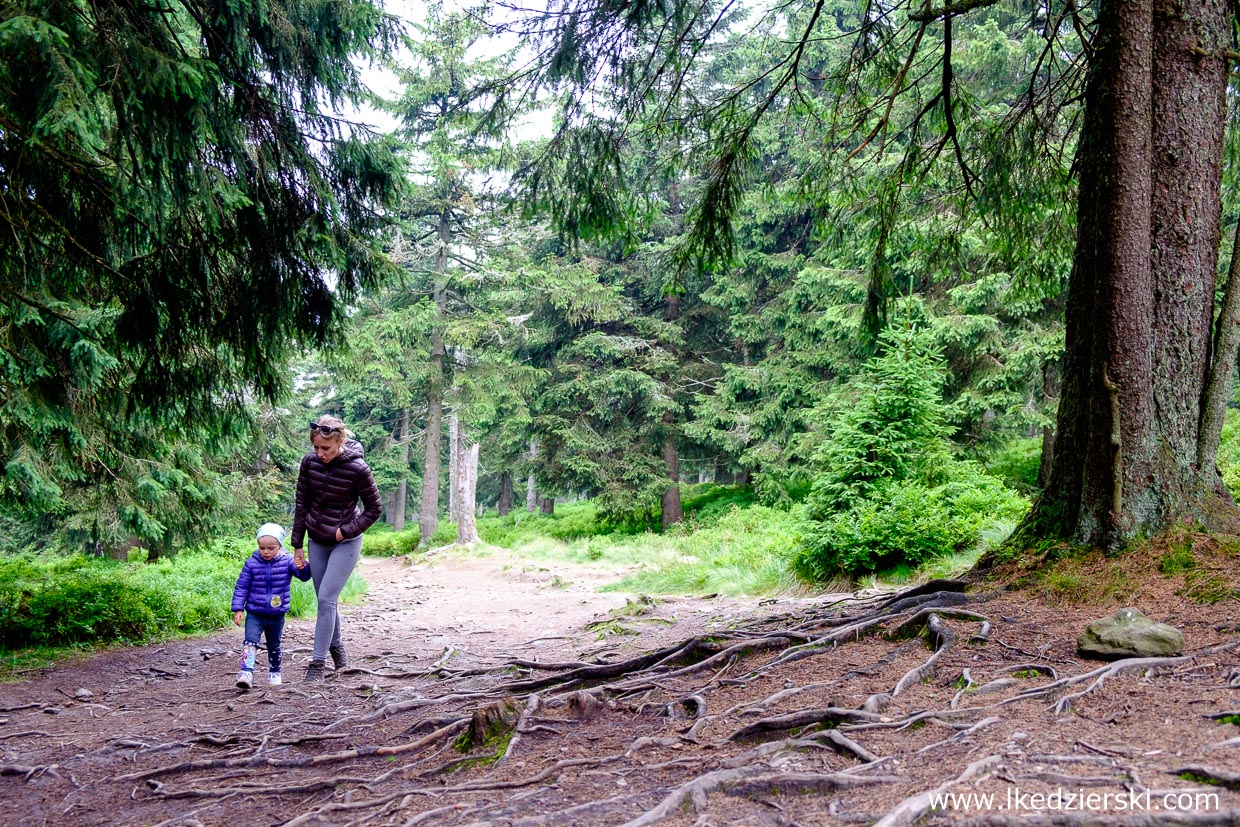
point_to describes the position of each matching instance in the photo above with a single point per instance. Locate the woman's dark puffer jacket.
(327, 495)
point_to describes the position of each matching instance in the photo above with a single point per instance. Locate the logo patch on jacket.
(276, 601)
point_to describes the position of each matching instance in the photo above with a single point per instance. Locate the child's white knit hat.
(271, 530)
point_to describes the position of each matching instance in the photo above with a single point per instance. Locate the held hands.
(299, 557)
(238, 617)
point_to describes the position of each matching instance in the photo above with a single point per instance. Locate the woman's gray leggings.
(330, 567)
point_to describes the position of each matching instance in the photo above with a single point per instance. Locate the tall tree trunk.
(466, 526)
(505, 494)
(428, 516)
(672, 511)
(546, 505)
(454, 469)
(1052, 387)
(1140, 292)
(428, 513)
(531, 490)
(1222, 367)
(399, 501)
(1189, 120)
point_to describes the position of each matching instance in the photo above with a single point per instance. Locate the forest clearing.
(600, 708)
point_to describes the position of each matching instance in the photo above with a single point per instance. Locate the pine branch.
(944, 12)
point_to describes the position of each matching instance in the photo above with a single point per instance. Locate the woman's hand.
(238, 617)
(299, 557)
(339, 535)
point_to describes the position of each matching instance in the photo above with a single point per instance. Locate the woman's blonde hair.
(338, 433)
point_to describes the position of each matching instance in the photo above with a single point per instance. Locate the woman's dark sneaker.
(314, 672)
(339, 658)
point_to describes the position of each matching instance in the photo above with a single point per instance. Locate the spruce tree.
(182, 211)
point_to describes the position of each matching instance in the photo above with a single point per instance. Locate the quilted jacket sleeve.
(242, 590)
(372, 505)
(301, 505)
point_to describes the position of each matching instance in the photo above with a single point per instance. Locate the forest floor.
(597, 708)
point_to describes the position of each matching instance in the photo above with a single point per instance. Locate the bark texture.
(673, 512)
(401, 496)
(454, 469)
(466, 525)
(531, 488)
(505, 494)
(428, 515)
(1140, 294)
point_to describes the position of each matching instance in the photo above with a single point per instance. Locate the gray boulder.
(1128, 633)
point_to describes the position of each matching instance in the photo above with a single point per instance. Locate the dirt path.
(67, 734)
(495, 605)
(724, 726)
(473, 601)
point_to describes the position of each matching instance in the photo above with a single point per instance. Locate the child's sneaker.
(273, 679)
(245, 679)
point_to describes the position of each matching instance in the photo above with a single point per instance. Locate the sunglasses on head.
(325, 430)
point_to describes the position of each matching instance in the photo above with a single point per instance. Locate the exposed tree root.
(750, 781)
(913, 808)
(793, 720)
(475, 786)
(729, 714)
(1211, 775)
(315, 761)
(942, 637)
(1119, 667)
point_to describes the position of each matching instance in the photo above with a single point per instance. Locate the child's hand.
(238, 617)
(299, 563)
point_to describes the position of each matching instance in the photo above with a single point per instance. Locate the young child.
(261, 597)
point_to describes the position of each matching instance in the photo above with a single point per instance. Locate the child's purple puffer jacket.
(263, 585)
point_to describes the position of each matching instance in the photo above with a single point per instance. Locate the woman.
(333, 477)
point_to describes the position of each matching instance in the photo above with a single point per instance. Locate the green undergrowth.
(727, 545)
(743, 550)
(52, 606)
(381, 541)
(704, 505)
